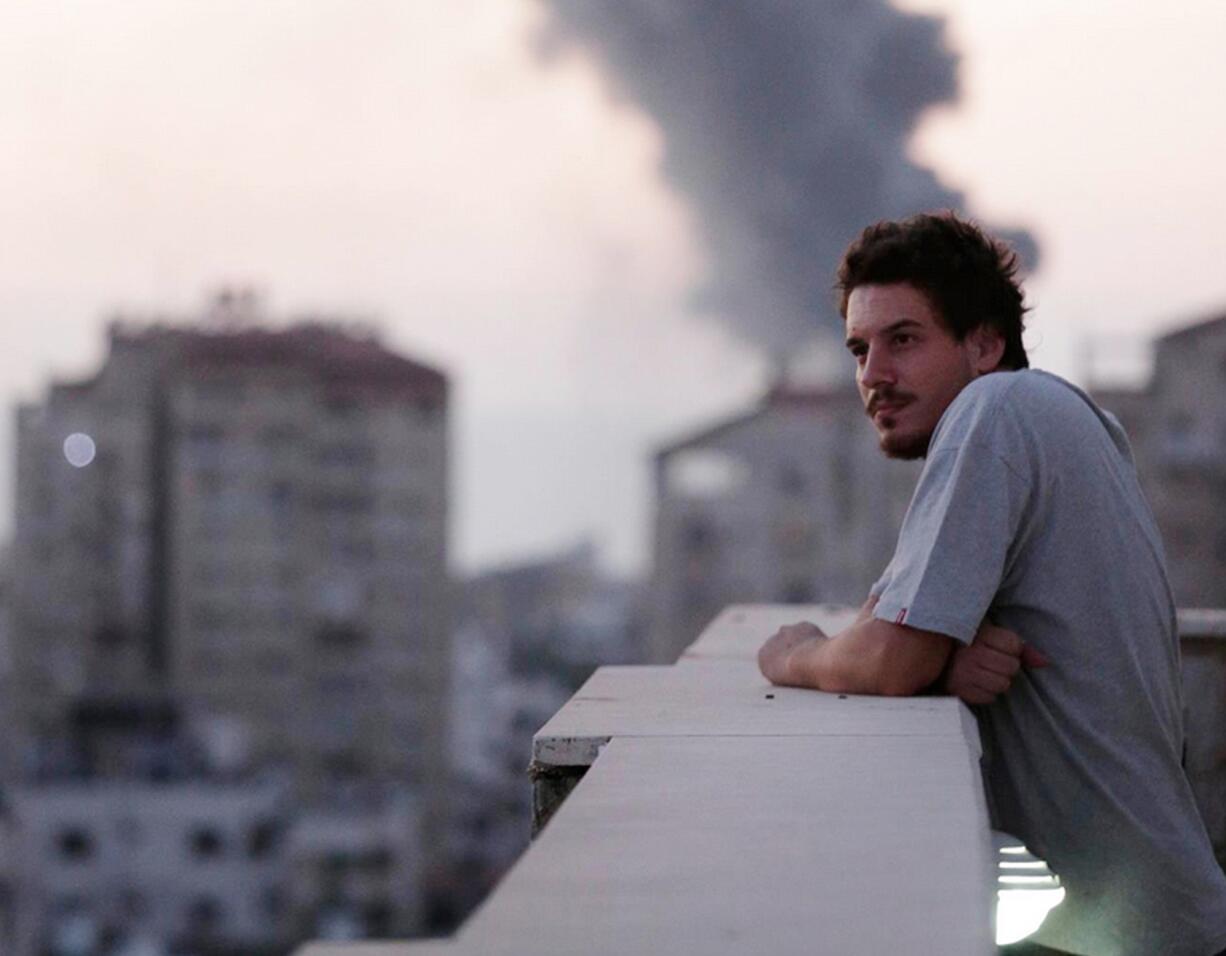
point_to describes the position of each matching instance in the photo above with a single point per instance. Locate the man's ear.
(987, 348)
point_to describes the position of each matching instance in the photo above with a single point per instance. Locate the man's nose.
(877, 369)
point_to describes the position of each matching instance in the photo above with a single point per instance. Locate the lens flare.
(79, 449)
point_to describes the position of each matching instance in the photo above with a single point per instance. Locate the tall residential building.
(792, 502)
(1177, 425)
(248, 523)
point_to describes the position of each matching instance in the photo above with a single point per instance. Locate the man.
(1027, 520)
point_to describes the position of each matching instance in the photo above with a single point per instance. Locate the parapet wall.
(696, 808)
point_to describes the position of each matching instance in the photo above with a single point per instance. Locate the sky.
(504, 215)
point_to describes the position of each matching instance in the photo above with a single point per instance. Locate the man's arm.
(868, 657)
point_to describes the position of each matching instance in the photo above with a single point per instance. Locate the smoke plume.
(785, 125)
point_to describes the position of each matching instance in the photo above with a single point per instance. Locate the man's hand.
(774, 654)
(983, 670)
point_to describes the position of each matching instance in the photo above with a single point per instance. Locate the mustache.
(886, 396)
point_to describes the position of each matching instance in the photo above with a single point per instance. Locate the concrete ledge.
(706, 701)
(706, 811)
(1199, 623)
(780, 844)
(424, 948)
(722, 815)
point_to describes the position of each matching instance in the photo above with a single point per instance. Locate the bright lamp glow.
(1026, 891)
(1020, 912)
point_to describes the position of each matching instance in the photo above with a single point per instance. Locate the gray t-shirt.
(1028, 512)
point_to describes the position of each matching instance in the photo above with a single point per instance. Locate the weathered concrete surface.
(551, 785)
(1202, 622)
(782, 844)
(716, 700)
(424, 948)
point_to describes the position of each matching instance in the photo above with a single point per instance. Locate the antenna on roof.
(233, 307)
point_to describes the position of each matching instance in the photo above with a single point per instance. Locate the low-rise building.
(193, 864)
(792, 502)
(527, 636)
(1177, 426)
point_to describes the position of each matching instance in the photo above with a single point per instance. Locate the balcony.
(695, 808)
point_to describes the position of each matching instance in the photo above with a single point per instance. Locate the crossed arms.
(878, 657)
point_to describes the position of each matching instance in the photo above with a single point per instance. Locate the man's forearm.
(869, 657)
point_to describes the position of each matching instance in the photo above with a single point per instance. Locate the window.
(338, 634)
(278, 436)
(75, 844)
(706, 473)
(205, 842)
(109, 635)
(792, 481)
(351, 454)
(203, 441)
(264, 838)
(204, 914)
(697, 535)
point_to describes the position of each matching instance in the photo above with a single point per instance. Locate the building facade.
(244, 526)
(527, 636)
(1177, 426)
(792, 503)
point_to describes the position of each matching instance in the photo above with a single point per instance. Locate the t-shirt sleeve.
(956, 541)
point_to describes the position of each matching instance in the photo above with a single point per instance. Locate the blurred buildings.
(227, 653)
(791, 502)
(527, 636)
(229, 604)
(1177, 424)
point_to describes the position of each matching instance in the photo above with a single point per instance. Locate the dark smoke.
(786, 124)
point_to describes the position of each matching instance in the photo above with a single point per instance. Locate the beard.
(906, 447)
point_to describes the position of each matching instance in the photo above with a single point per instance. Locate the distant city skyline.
(503, 217)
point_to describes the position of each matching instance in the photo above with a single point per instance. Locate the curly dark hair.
(969, 277)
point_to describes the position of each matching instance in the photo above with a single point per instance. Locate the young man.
(1027, 520)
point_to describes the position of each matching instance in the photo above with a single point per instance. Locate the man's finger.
(998, 662)
(1033, 657)
(977, 695)
(1000, 639)
(993, 683)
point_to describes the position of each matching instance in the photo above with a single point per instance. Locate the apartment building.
(1177, 426)
(245, 526)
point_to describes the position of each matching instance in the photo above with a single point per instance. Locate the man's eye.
(904, 338)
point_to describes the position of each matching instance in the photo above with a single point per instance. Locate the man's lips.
(886, 408)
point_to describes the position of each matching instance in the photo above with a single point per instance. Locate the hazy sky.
(414, 162)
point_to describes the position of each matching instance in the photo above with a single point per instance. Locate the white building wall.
(177, 862)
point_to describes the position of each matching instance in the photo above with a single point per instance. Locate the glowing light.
(79, 449)
(1020, 912)
(1027, 890)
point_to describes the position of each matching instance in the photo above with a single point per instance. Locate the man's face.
(909, 367)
